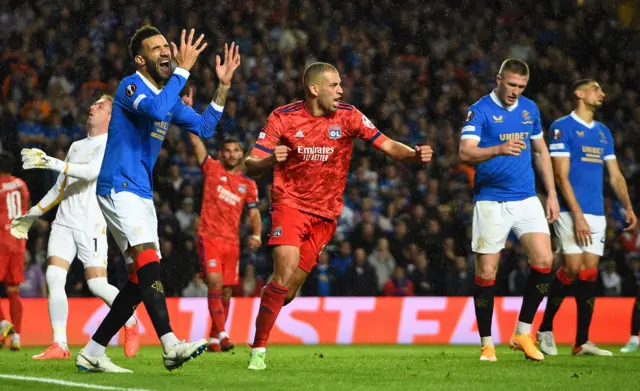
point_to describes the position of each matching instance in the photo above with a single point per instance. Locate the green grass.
(341, 368)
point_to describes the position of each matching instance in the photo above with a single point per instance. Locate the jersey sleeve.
(203, 125)
(472, 128)
(364, 129)
(251, 198)
(559, 140)
(209, 166)
(537, 125)
(89, 171)
(268, 137)
(130, 95)
(609, 152)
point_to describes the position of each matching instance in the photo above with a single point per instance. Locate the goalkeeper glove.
(36, 158)
(20, 225)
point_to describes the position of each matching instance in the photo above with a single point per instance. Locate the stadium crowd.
(405, 229)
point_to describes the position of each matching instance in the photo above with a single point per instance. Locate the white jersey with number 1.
(78, 201)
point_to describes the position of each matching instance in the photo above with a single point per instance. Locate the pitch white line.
(69, 383)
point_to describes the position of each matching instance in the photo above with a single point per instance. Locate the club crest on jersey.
(557, 134)
(242, 189)
(277, 232)
(130, 90)
(335, 132)
(526, 117)
(498, 119)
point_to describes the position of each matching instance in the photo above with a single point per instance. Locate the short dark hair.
(232, 140)
(6, 163)
(514, 65)
(313, 70)
(578, 84)
(140, 35)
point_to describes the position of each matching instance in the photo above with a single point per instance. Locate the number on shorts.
(14, 204)
(95, 245)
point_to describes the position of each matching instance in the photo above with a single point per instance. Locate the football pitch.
(331, 368)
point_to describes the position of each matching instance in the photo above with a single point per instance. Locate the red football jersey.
(224, 198)
(14, 202)
(313, 177)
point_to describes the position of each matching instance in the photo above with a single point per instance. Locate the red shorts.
(217, 256)
(309, 232)
(12, 267)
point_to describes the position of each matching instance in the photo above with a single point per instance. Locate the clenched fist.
(280, 153)
(512, 148)
(424, 153)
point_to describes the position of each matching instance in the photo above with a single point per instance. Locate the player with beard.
(145, 105)
(308, 144)
(227, 192)
(580, 148)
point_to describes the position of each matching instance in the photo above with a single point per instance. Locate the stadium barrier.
(338, 320)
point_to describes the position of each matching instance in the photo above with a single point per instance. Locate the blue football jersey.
(140, 119)
(587, 146)
(503, 178)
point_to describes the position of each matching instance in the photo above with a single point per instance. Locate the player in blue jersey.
(580, 148)
(145, 104)
(499, 134)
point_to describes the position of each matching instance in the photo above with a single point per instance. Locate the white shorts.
(90, 247)
(131, 220)
(493, 220)
(564, 229)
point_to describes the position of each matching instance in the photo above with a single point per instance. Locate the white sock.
(101, 288)
(223, 335)
(484, 341)
(94, 349)
(15, 337)
(523, 328)
(262, 350)
(4, 323)
(214, 340)
(58, 304)
(634, 339)
(169, 340)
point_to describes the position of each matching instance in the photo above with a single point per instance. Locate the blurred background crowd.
(413, 70)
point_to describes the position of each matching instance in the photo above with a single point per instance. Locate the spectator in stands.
(399, 284)
(383, 262)
(361, 279)
(322, 279)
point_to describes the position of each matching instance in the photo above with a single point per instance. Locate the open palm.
(231, 63)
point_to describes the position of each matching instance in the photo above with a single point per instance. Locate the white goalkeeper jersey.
(77, 195)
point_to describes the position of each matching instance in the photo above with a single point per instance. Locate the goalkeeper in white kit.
(78, 229)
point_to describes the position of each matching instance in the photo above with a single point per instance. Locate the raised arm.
(36, 159)
(204, 125)
(199, 150)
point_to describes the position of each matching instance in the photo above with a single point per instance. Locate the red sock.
(563, 277)
(216, 311)
(226, 303)
(15, 309)
(271, 303)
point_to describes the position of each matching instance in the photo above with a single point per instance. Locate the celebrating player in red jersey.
(227, 191)
(310, 143)
(14, 200)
